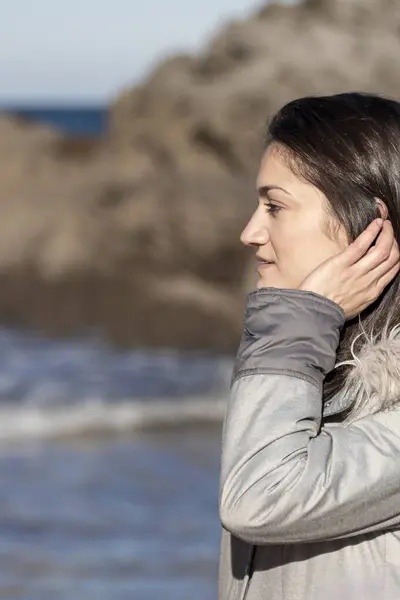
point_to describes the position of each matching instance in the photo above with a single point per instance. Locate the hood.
(373, 384)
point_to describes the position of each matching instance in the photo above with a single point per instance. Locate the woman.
(310, 475)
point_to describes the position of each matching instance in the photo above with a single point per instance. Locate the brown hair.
(348, 146)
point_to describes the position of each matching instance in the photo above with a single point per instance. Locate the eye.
(272, 208)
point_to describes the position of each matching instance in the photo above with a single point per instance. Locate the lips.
(264, 261)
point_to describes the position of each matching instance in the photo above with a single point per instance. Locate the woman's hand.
(356, 277)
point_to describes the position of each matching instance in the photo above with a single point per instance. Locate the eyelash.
(272, 208)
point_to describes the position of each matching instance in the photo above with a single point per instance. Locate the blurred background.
(130, 136)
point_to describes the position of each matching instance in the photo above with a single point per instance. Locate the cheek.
(314, 250)
(302, 245)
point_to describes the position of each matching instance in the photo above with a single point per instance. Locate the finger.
(382, 250)
(388, 264)
(378, 287)
(357, 249)
(388, 277)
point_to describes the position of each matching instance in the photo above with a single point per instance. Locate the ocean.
(109, 460)
(85, 121)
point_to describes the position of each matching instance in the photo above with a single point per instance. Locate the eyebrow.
(264, 189)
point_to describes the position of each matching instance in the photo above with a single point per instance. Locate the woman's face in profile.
(288, 228)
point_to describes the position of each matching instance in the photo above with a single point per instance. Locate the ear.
(382, 208)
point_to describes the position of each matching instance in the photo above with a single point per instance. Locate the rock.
(357, 12)
(136, 236)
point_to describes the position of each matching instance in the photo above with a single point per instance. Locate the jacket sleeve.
(284, 477)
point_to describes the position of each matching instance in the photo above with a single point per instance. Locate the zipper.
(248, 573)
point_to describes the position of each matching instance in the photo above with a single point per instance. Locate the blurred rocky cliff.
(136, 235)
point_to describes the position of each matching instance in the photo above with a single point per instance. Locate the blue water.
(40, 371)
(118, 519)
(109, 471)
(73, 121)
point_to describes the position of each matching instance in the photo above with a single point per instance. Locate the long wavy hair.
(348, 146)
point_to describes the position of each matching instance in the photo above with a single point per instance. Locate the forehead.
(274, 170)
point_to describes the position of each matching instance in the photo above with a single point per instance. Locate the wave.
(40, 371)
(52, 389)
(20, 423)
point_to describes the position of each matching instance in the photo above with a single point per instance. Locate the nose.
(254, 234)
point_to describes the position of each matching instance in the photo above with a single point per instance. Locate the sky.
(88, 51)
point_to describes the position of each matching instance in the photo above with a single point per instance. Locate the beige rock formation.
(136, 236)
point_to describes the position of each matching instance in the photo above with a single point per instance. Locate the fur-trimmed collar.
(373, 384)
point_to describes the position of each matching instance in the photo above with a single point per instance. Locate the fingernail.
(380, 222)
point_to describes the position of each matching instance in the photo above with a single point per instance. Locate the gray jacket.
(310, 506)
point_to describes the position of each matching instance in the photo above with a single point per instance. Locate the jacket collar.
(373, 383)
